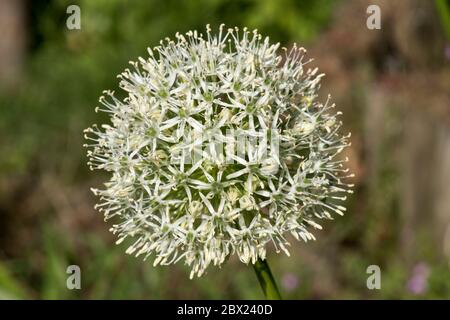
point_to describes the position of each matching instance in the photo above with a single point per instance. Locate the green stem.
(266, 280)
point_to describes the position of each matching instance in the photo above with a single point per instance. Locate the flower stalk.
(266, 280)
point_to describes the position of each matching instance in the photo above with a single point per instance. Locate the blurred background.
(392, 84)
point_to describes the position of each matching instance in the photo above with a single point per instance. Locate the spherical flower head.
(220, 147)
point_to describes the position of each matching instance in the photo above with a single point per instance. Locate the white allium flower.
(176, 192)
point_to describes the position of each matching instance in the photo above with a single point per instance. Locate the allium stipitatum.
(181, 198)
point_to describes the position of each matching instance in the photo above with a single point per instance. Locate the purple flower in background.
(289, 282)
(418, 282)
(447, 51)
